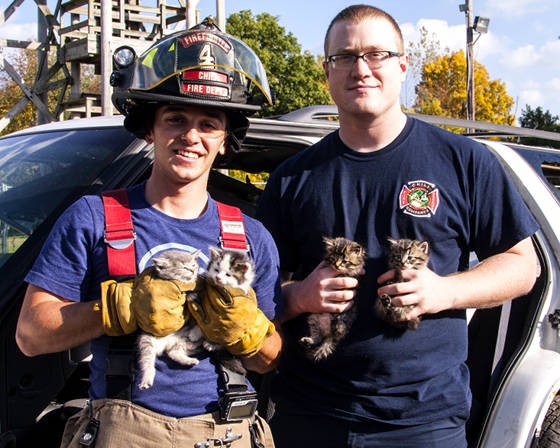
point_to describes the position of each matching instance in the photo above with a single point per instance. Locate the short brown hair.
(357, 13)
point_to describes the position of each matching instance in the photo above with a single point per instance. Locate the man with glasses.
(381, 175)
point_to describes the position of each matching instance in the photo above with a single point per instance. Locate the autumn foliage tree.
(420, 52)
(442, 91)
(25, 63)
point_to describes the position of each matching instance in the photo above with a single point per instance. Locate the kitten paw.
(210, 346)
(307, 341)
(385, 300)
(322, 352)
(413, 324)
(184, 360)
(146, 382)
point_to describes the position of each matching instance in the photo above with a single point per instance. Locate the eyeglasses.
(374, 59)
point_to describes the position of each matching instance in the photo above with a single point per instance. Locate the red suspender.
(119, 233)
(120, 236)
(232, 230)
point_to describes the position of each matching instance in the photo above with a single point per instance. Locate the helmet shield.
(201, 66)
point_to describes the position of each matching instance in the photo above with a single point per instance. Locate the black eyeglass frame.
(377, 62)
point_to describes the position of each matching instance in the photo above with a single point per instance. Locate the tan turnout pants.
(124, 424)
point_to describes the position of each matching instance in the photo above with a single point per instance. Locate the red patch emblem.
(419, 198)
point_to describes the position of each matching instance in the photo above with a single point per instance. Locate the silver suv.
(514, 354)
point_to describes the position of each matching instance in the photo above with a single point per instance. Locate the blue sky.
(522, 47)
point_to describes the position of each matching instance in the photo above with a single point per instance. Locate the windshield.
(38, 171)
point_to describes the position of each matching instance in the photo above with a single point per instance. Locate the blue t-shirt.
(73, 263)
(428, 184)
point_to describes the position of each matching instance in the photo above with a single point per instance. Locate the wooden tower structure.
(82, 34)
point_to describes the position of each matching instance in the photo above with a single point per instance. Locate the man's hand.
(495, 280)
(423, 290)
(231, 318)
(322, 291)
(147, 302)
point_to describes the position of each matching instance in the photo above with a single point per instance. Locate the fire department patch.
(419, 198)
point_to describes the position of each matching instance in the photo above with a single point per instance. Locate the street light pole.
(480, 26)
(470, 61)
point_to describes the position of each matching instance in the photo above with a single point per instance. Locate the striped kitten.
(403, 254)
(326, 330)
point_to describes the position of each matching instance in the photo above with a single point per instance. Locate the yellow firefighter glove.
(231, 318)
(147, 302)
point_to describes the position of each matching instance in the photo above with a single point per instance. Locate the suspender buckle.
(119, 239)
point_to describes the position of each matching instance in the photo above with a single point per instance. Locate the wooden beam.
(10, 10)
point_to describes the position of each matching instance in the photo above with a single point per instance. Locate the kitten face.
(230, 268)
(403, 254)
(346, 256)
(177, 265)
(408, 254)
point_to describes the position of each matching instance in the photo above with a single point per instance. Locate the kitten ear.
(392, 241)
(159, 263)
(328, 241)
(243, 267)
(424, 247)
(196, 253)
(214, 251)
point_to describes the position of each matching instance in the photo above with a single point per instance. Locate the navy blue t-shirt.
(430, 185)
(73, 263)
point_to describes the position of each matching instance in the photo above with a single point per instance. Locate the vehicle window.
(551, 171)
(546, 162)
(38, 171)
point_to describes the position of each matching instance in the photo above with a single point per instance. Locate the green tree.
(538, 119)
(442, 91)
(295, 76)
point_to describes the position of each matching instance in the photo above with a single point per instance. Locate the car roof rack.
(328, 112)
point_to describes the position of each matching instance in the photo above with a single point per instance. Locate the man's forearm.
(266, 359)
(497, 279)
(48, 324)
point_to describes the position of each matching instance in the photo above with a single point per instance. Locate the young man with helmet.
(189, 95)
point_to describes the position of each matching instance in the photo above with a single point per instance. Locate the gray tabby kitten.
(403, 254)
(179, 346)
(326, 330)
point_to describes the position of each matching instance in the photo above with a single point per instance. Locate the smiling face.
(186, 141)
(359, 90)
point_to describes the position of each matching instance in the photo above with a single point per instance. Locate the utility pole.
(480, 26)
(470, 61)
(192, 20)
(106, 57)
(221, 15)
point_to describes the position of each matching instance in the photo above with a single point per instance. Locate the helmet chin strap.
(233, 143)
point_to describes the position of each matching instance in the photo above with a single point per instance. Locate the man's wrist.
(290, 296)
